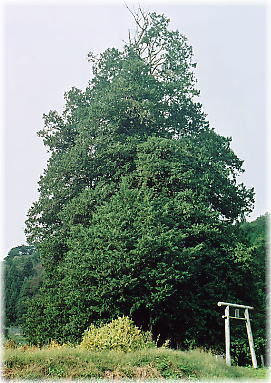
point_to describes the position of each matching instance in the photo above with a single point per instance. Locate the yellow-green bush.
(121, 334)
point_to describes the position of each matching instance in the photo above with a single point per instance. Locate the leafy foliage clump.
(121, 334)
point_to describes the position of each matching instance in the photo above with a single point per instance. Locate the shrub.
(10, 343)
(121, 334)
(53, 345)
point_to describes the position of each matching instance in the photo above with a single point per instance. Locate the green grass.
(158, 363)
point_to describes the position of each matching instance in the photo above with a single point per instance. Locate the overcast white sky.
(45, 54)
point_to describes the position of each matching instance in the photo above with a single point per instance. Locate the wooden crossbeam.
(227, 318)
(235, 305)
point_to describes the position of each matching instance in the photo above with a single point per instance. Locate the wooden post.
(250, 339)
(237, 313)
(227, 335)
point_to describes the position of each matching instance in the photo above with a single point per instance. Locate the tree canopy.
(140, 204)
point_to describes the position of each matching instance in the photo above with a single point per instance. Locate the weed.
(56, 372)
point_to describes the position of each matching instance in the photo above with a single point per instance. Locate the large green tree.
(137, 204)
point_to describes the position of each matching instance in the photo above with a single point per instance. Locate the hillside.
(73, 364)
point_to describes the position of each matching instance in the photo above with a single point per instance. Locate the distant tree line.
(23, 273)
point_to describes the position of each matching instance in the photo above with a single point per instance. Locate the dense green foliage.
(139, 207)
(18, 294)
(22, 279)
(253, 253)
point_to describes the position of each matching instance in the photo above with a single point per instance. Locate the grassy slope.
(75, 363)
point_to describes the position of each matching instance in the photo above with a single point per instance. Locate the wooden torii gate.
(227, 329)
